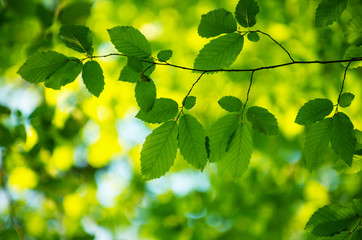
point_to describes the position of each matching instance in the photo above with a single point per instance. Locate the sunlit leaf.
(346, 99)
(313, 111)
(145, 93)
(245, 12)
(253, 36)
(163, 110)
(93, 77)
(77, 37)
(217, 22)
(353, 52)
(189, 102)
(164, 55)
(230, 103)
(328, 11)
(262, 120)
(65, 75)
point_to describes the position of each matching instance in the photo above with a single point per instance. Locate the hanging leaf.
(192, 141)
(77, 37)
(163, 110)
(159, 151)
(132, 71)
(313, 111)
(164, 55)
(93, 77)
(262, 120)
(217, 22)
(145, 93)
(230, 103)
(346, 99)
(189, 102)
(128, 75)
(253, 36)
(328, 11)
(354, 31)
(245, 12)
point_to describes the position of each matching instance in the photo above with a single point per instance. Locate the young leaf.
(328, 11)
(164, 55)
(262, 120)
(238, 156)
(217, 22)
(145, 95)
(93, 77)
(253, 36)
(159, 151)
(192, 141)
(343, 140)
(230, 103)
(220, 134)
(313, 111)
(346, 99)
(163, 110)
(77, 37)
(65, 75)
(354, 31)
(316, 142)
(353, 52)
(245, 12)
(330, 220)
(220, 52)
(41, 65)
(130, 41)
(189, 102)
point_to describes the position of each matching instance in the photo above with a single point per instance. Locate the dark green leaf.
(220, 52)
(245, 12)
(192, 141)
(230, 103)
(189, 102)
(353, 52)
(357, 206)
(253, 36)
(346, 99)
(164, 55)
(159, 151)
(77, 37)
(135, 64)
(217, 22)
(145, 95)
(128, 75)
(4, 110)
(132, 71)
(313, 111)
(328, 11)
(93, 77)
(262, 120)
(45, 15)
(358, 135)
(75, 13)
(163, 110)
(354, 31)
(6, 139)
(357, 235)
(342, 167)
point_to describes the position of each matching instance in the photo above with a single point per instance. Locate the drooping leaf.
(245, 12)
(328, 11)
(316, 142)
(253, 36)
(41, 65)
(343, 140)
(164, 55)
(75, 13)
(189, 102)
(130, 41)
(330, 220)
(65, 75)
(93, 77)
(230, 103)
(216, 22)
(159, 151)
(239, 152)
(346, 99)
(220, 52)
(262, 120)
(145, 95)
(313, 111)
(163, 110)
(353, 52)
(354, 31)
(192, 141)
(220, 134)
(77, 37)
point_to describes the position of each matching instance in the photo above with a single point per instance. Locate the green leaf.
(220, 52)
(135, 64)
(159, 151)
(189, 102)
(357, 206)
(262, 120)
(230, 103)
(217, 22)
(328, 11)
(163, 110)
(358, 135)
(93, 77)
(6, 139)
(4, 110)
(357, 235)
(342, 167)
(130, 41)
(354, 31)
(346, 99)
(330, 220)
(145, 95)
(192, 141)
(41, 65)
(253, 36)
(239, 152)
(128, 75)
(316, 142)
(132, 71)
(245, 12)
(77, 37)
(313, 111)
(164, 55)
(343, 140)
(353, 52)
(220, 134)
(75, 13)
(65, 75)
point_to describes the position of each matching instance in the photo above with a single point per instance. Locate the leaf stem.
(248, 93)
(343, 81)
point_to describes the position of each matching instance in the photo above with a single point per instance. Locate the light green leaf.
(328, 11)
(343, 140)
(353, 52)
(317, 142)
(130, 41)
(65, 75)
(163, 110)
(253, 36)
(330, 220)
(159, 151)
(313, 111)
(77, 37)
(230, 103)
(354, 31)
(245, 12)
(164, 55)
(220, 134)
(220, 52)
(346, 99)
(145, 95)
(76, 12)
(239, 152)
(189, 102)
(262, 120)
(192, 141)
(217, 22)
(41, 65)
(93, 77)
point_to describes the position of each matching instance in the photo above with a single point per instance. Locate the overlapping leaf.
(354, 31)
(262, 120)
(65, 75)
(346, 99)
(145, 95)
(245, 12)
(328, 11)
(132, 71)
(77, 37)
(189, 102)
(230, 103)
(163, 110)
(93, 77)
(314, 111)
(216, 22)
(253, 36)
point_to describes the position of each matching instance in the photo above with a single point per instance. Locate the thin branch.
(344, 79)
(248, 93)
